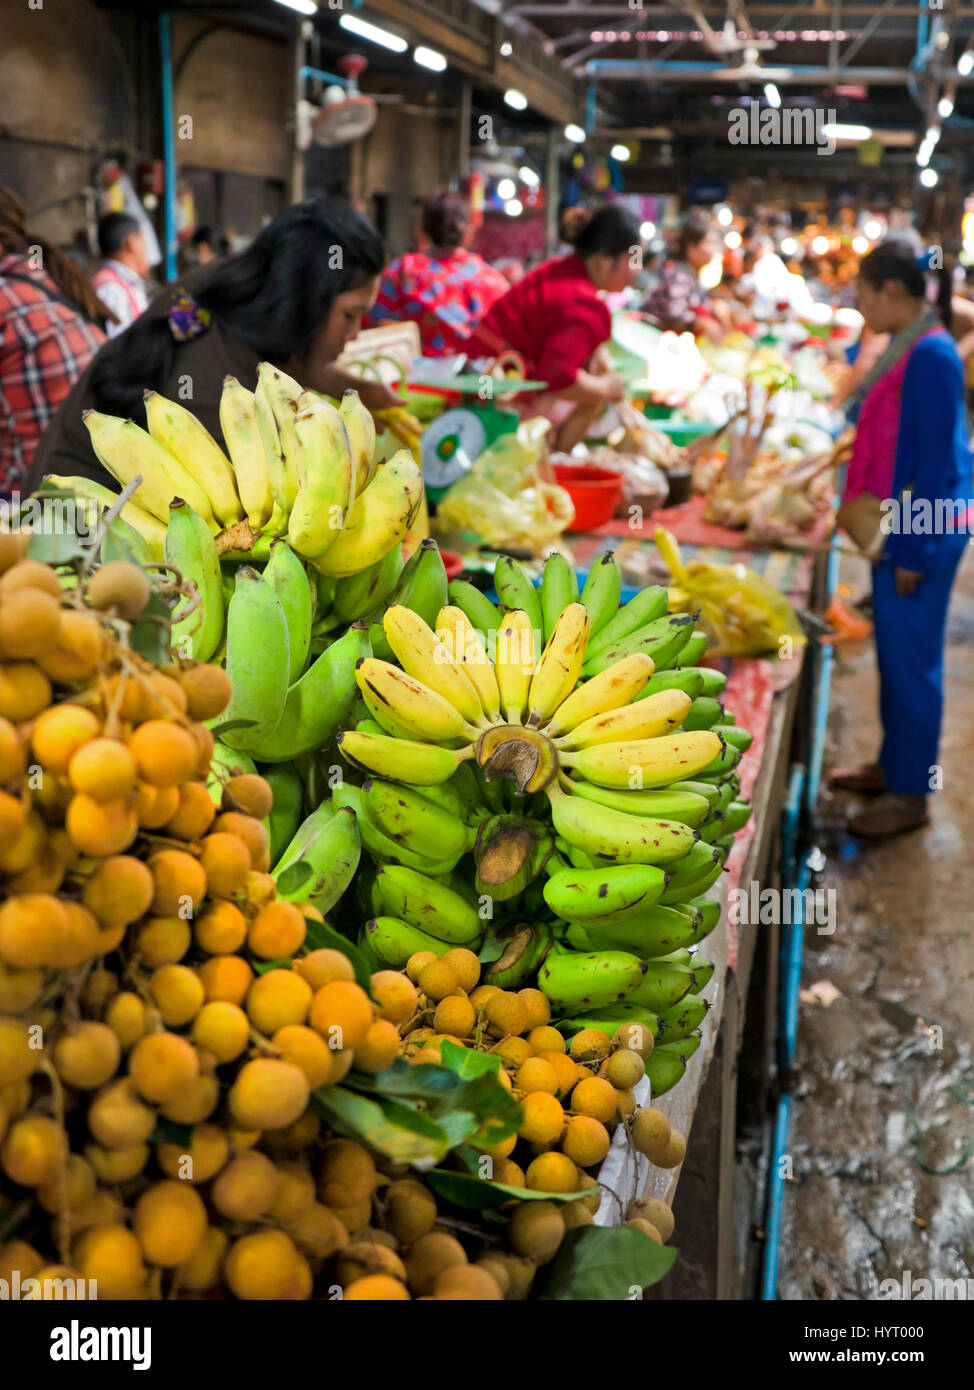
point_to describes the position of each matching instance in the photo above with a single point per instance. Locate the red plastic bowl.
(453, 564)
(595, 492)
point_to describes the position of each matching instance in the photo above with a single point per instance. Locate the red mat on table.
(688, 526)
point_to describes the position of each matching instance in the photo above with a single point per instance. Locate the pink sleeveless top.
(874, 448)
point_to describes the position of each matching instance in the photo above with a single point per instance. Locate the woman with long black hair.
(294, 297)
(911, 452)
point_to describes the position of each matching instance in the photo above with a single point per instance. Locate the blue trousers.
(910, 654)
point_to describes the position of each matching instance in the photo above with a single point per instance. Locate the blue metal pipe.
(323, 76)
(168, 145)
(590, 108)
(776, 1195)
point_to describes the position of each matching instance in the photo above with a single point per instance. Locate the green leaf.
(320, 935)
(53, 548)
(424, 1082)
(467, 1063)
(150, 636)
(168, 1132)
(294, 875)
(482, 1194)
(123, 542)
(358, 1117)
(261, 967)
(606, 1263)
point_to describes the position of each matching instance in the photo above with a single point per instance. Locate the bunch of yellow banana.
(294, 466)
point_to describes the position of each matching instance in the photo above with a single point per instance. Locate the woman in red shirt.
(558, 321)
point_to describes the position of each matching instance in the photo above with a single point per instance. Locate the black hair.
(274, 296)
(446, 218)
(694, 227)
(612, 229)
(212, 237)
(895, 259)
(114, 229)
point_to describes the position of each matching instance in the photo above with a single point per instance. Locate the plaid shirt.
(44, 348)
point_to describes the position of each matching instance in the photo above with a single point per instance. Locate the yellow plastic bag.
(504, 499)
(742, 612)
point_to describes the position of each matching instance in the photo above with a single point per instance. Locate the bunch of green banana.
(320, 862)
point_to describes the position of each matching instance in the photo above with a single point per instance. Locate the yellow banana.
(238, 421)
(126, 450)
(463, 643)
(421, 712)
(560, 665)
(399, 759)
(649, 762)
(377, 520)
(326, 478)
(149, 528)
(276, 400)
(425, 658)
(650, 718)
(187, 439)
(361, 435)
(514, 662)
(610, 690)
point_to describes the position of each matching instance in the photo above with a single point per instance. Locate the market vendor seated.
(557, 319)
(678, 303)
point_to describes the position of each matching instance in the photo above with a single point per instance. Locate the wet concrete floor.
(882, 1138)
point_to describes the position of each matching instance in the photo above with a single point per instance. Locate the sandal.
(889, 816)
(867, 780)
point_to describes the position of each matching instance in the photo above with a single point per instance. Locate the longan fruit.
(534, 1075)
(121, 586)
(538, 1008)
(111, 1256)
(249, 829)
(542, 1118)
(204, 1268)
(365, 1257)
(80, 940)
(576, 1214)
(376, 1288)
(346, 1173)
(101, 828)
(14, 1096)
(673, 1154)
(178, 993)
(496, 1269)
(551, 1172)
(13, 756)
(226, 977)
(207, 691)
(30, 574)
(626, 1104)
(624, 1069)
(636, 1037)
(509, 1173)
(18, 1059)
(169, 1221)
(545, 1039)
(429, 1257)
(455, 1015)
(267, 1265)
(320, 1232)
(194, 815)
(180, 883)
(57, 735)
(650, 1131)
(657, 1213)
(410, 1210)
(427, 1056)
(647, 1228)
(24, 691)
(536, 1229)
(44, 876)
(276, 999)
(119, 1118)
(13, 817)
(161, 1065)
(246, 1187)
(205, 744)
(195, 1103)
(226, 863)
(503, 1148)
(295, 1192)
(589, 1044)
(87, 1056)
(30, 623)
(162, 940)
(513, 1052)
(78, 1186)
(19, 853)
(378, 1049)
(17, 1255)
(505, 1013)
(394, 993)
(268, 1094)
(417, 963)
(125, 1014)
(464, 965)
(305, 1048)
(221, 1029)
(259, 890)
(104, 769)
(118, 1165)
(19, 988)
(221, 929)
(120, 890)
(31, 926)
(585, 1140)
(342, 1013)
(13, 548)
(33, 1150)
(595, 1097)
(165, 753)
(75, 656)
(468, 1283)
(438, 980)
(155, 806)
(278, 930)
(250, 794)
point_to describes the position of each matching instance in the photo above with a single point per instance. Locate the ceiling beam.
(631, 70)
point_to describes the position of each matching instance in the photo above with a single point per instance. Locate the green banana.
(610, 1020)
(737, 815)
(696, 861)
(689, 679)
(737, 738)
(559, 588)
(577, 981)
(191, 549)
(708, 909)
(226, 763)
(682, 1019)
(421, 586)
(359, 594)
(707, 790)
(515, 590)
(695, 648)
(285, 814)
(667, 1063)
(668, 803)
(703, 713)
(714, 682)
(483, 615)
(728, 757)
(714, 827)
(377, 842)
(432, 906)
(663, 640)
(604, 895)
(658, 932)
(522, 956)
(319, 703)
(287, 576)
(329, 846)
(257, 664)
(686, 891)
(648, 605)
(663, 985)
(411, 817)
(703, 972)
(600, 593)
(617, 835)
(393, 941)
